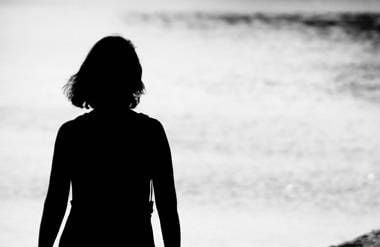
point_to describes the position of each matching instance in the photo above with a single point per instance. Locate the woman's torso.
(110, 168)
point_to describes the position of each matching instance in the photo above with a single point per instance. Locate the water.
(272, 118)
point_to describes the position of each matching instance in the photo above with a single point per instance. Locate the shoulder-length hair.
(109, 76)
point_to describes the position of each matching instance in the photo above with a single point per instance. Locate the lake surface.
(272, 118)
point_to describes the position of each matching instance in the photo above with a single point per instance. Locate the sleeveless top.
(109, 158)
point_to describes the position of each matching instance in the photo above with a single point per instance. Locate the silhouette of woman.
(109, 156)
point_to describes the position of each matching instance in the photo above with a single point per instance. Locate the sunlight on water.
(261, 109)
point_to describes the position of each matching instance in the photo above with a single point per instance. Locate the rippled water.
(271, 109)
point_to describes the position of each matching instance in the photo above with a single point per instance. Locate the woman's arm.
(57, 195)
(164, 189)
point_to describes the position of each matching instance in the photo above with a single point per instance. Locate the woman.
(109, 156)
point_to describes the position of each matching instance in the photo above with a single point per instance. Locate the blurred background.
(271, 109)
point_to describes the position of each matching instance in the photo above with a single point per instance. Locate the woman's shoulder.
(146, 118)
(73, 123)
(152, 122)
(143, 120)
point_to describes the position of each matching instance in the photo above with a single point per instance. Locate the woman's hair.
(109, 76)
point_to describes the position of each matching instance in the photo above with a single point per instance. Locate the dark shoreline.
(371, 239)
(361, 25)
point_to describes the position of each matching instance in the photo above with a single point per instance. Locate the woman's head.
(110, 76)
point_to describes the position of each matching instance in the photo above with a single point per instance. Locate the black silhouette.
(109, 156)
